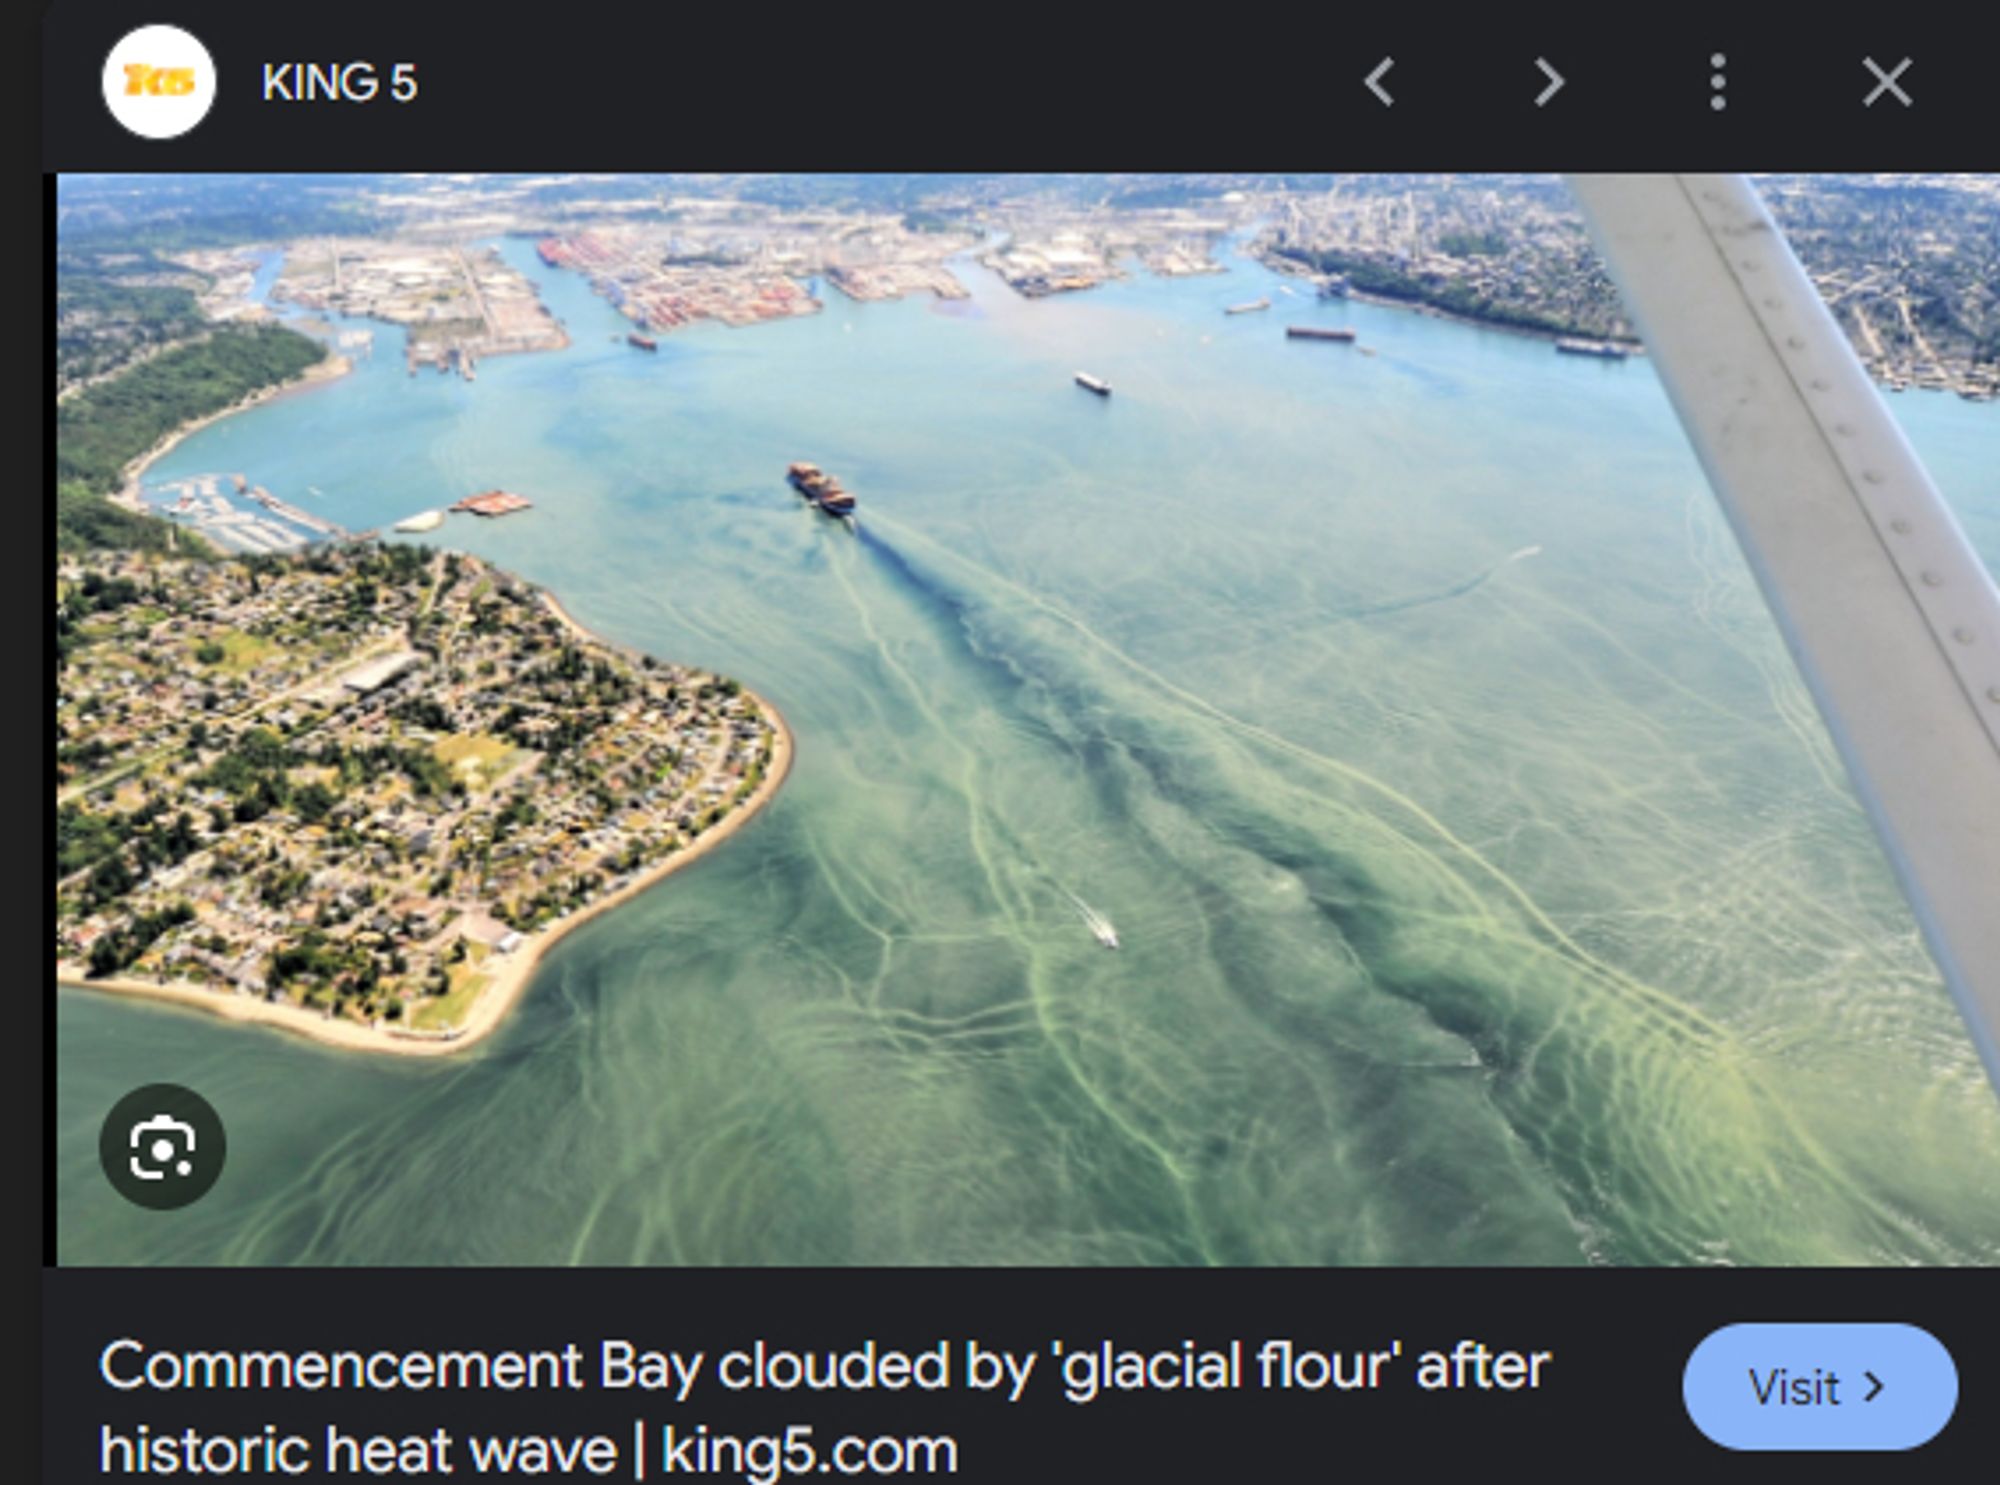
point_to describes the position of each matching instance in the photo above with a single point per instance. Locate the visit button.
(1820, 1386)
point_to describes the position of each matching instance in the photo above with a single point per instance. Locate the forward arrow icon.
(1556, 80)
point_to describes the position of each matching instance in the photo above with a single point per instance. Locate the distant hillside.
(175, 212)
(104, 428)
(105, 319)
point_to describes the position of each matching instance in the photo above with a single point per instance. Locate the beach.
(510, 972)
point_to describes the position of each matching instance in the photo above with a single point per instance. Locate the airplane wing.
(1891, 617)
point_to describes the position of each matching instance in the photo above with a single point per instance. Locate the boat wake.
(1457, 590)
(1100, 927)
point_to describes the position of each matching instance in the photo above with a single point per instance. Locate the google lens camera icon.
(162, 1146)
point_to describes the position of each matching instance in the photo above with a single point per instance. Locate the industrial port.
(1906, 263)
(622, 266)
(894, 280)
(739, 265)
(460, 305)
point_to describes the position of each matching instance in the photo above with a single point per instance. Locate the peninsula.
(359, 791)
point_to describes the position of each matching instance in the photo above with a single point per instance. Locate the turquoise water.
(1479, 904)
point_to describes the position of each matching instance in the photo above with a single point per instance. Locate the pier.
(298, 517)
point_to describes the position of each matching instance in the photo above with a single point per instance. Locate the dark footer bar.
(981, 1375)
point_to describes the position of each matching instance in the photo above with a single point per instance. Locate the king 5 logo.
(159, 82)
(169, 82)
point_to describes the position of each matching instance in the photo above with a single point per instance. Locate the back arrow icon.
(1555, 83)
(1374, 81)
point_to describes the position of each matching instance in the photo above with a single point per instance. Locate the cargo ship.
(1251, 308)
(1316, 332)
(428, 520)
(821, 488)
(1095, 384)
(643, 342)
(1608, 350)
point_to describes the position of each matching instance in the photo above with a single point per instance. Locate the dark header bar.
(378, 87)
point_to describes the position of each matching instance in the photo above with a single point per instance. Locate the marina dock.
(298, 517)
(201, 503)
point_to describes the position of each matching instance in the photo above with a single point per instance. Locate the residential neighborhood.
(353, 779)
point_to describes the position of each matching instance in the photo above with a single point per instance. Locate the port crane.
(1888, 612)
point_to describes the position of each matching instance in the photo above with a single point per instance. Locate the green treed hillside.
(103, 429)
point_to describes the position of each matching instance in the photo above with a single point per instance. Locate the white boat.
(1095, 384)
(1573, 345)
(1099, 925)
(428, 520)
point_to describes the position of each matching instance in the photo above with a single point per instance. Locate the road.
(1917, 335)
(318, 678)
(472, 287)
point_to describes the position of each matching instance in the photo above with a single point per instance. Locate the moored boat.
(1604, 349)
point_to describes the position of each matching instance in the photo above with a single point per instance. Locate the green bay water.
(1488, 889)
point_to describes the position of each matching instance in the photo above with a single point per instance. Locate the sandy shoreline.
(511, 972)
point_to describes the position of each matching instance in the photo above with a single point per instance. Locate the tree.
(112, 880)
(107, 955)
